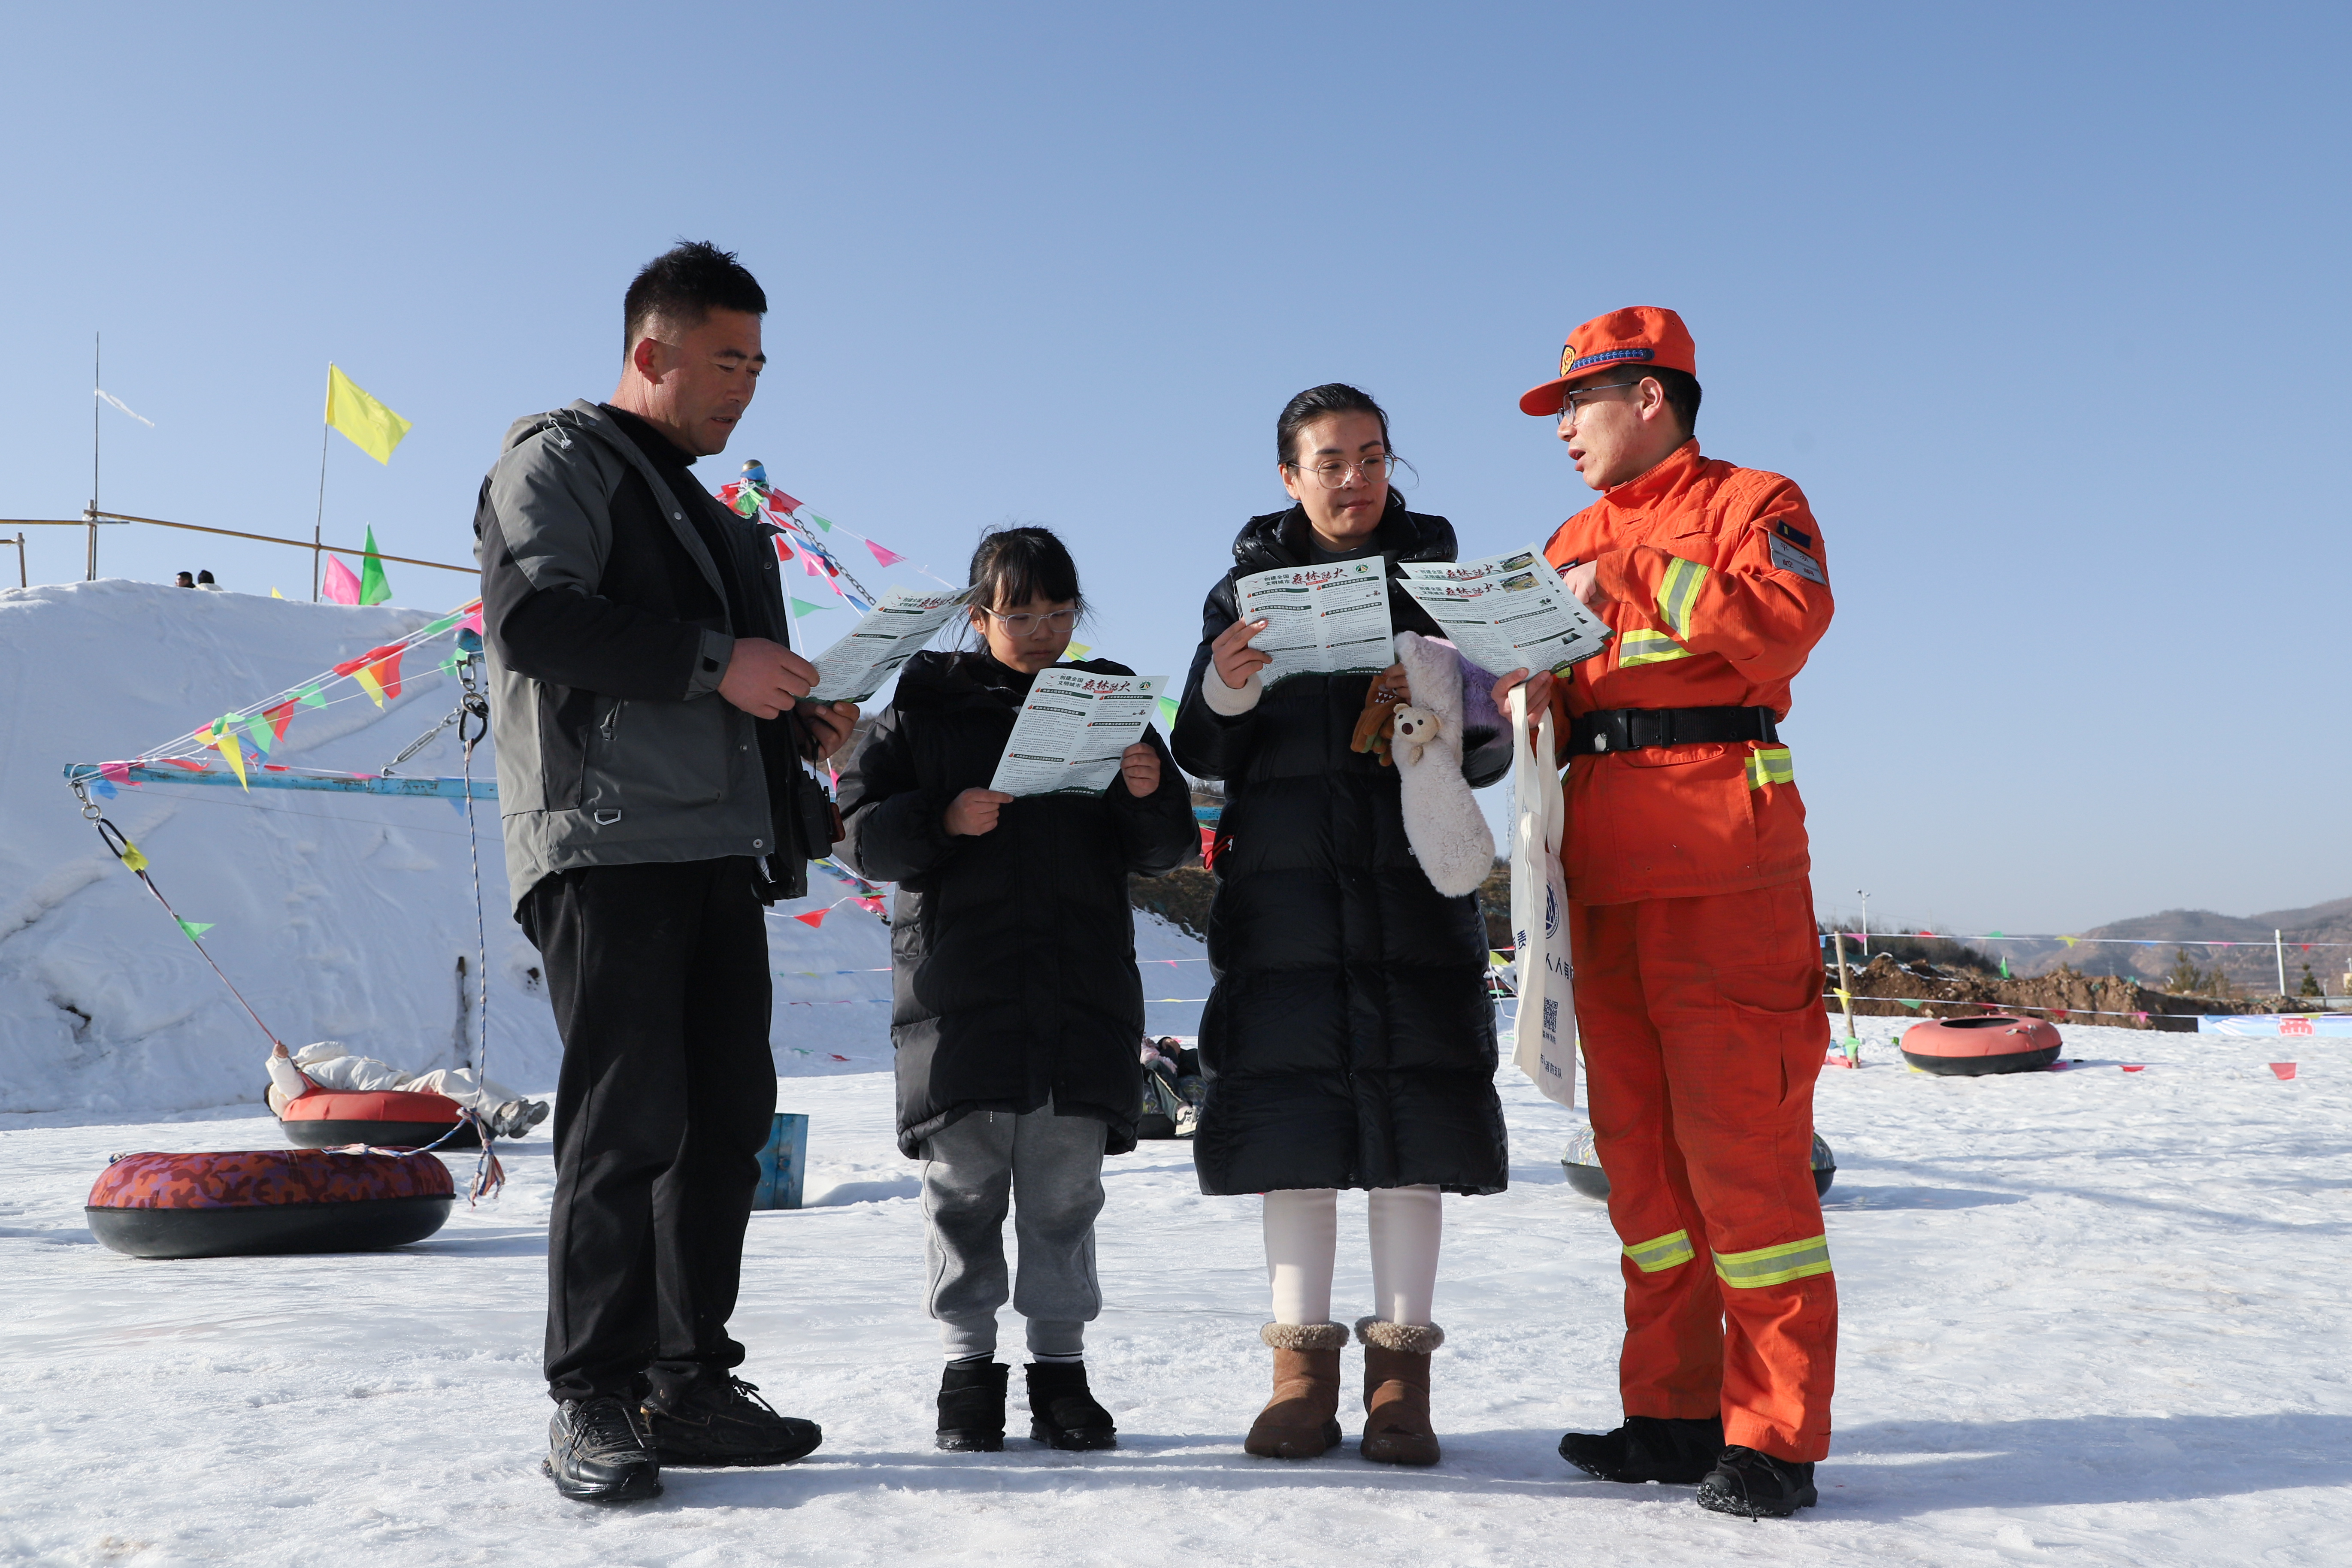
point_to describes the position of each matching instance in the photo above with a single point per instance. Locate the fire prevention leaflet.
(1507, 612)
(890, 633)
(1072, 730)
(1320, 620)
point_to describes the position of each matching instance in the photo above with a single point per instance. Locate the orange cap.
(1645, 335)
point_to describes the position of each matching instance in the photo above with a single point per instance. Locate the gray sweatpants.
(1048, 1170)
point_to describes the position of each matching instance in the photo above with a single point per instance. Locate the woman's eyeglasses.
(1334, 474)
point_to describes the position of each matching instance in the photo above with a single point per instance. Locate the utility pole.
(1865, 923)
(2278, 940)
(97, 380)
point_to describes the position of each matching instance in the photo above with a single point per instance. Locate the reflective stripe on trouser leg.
(1672, 1364)
(1665, 1252)
(1774, 1264)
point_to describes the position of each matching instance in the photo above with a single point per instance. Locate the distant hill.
(2253, 968)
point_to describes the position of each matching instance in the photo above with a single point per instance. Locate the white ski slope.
(2089, 1317)
(341, 918)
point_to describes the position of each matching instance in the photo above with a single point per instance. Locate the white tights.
(1302, 1239)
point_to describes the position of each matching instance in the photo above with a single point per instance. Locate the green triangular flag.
(821, 522)
(1168, 711)
(373, 589)
(312, 696)
(803, 608)
(2004, 969)
(1911, 1002)
(193, 929)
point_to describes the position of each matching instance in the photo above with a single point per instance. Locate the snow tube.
(1971, 1048)
(387, 1118)
(1585, 1174)
(267, 1201)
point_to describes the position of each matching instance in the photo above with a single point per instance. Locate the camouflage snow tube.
(267, 1201)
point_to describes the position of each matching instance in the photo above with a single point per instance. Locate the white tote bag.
(1545, 978)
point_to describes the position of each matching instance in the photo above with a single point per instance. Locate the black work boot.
(1758, 1485)
(721, 1420)
(1647, 1449)
(595, 1453)
(972, 1406)
(1062, 1411)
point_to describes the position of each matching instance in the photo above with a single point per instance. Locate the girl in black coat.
(1349, 1041)
(1016, 1007)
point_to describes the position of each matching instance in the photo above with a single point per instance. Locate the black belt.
(1631, 729)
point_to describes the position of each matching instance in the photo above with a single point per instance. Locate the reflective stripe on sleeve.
(1774, 1264)
(1665, 1252)
(1645, 646)
(1677, 591)
(1769, 764)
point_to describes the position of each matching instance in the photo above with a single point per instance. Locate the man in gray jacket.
(653, 742)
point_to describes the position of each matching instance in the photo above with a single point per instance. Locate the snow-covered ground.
(2090, 1317)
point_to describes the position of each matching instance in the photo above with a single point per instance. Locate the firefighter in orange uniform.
(1698, 973)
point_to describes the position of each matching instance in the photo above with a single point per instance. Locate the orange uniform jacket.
(1717, 590)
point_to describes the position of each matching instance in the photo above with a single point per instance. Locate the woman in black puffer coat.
(1016, 1008)
(1349, 1041)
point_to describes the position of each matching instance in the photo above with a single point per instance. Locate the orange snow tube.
(387, 1118)
(263, 1201)
(1973, 1048)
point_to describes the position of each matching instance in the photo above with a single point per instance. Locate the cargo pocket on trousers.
(1799, 1035)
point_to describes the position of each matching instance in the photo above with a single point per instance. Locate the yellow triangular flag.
(373, 428)
(225, 743)
(368, 684)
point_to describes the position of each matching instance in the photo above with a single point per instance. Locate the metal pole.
(1865, 923)
(21, 581)
(2279, 938)
(320, 521)
(96, 379)
(1845, 988)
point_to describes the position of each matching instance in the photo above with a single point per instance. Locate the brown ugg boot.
(1302, 1419)
(1396, 1391)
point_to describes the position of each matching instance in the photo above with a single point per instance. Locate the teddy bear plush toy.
(1441, 820)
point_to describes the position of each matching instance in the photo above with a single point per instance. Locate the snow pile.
(338, 917)
(2091, 1317)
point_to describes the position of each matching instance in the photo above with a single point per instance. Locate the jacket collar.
(1673, 471)
(1281, 538)
(582, 415)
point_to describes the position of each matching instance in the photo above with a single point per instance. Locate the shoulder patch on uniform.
(1787, 557)
(1793, 534)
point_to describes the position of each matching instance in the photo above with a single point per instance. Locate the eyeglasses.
(1026, 623)
(1575, 403)
(1334, 474)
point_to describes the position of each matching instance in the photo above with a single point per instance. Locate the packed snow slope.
(2090, 1317)
(339, 917)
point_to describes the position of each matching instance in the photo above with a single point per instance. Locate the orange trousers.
(1703, 1030)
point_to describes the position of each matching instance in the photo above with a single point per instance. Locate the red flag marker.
(816, 919)
(2285, 1069)
(2133, 1067)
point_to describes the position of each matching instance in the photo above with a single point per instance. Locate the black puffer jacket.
(1012, 971)
(1349, 1041)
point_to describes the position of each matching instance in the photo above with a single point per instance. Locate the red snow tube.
(267, 1201)
(1972, 1047)
(387, 1118)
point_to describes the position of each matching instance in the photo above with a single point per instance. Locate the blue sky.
(2044, 306)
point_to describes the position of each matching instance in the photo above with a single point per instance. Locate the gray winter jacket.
(607, 631)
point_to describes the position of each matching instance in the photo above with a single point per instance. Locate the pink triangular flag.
(340, 586)
(120, 772)
(473, 622)
(2285, 1069)
(886, 557)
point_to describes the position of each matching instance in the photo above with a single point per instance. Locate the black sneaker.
(722, 1421)
(1758, 1485)
(595, 1453)
(1062, 1411)
(972, 1406)
(1647, 1449)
